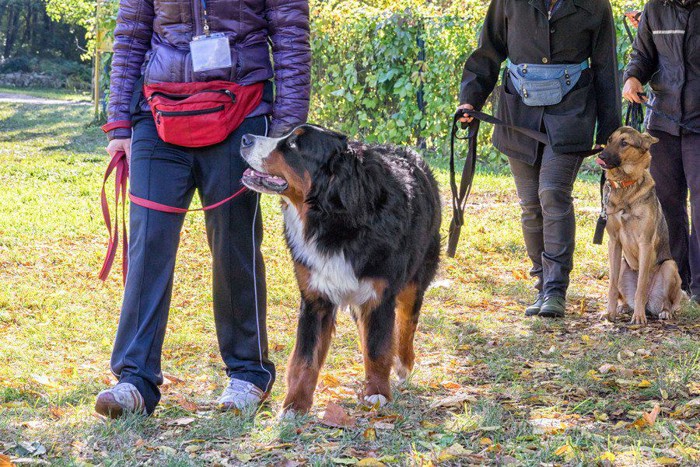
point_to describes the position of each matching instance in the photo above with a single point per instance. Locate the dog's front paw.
(665, 314)
(376, 400)
(639, 318)
(402, 372)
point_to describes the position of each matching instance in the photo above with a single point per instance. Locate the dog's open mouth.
(263, 182)
(602, 163)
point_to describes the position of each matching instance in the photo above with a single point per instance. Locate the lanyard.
(205, 17)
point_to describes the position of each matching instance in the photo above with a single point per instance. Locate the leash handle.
(459, 196)
(120, 164)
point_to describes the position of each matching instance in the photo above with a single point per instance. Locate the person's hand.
(466, 118)
(120, 144)
(632, 87)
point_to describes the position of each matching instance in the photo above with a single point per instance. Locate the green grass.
(532, 390)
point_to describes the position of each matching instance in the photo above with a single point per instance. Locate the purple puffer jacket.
(152, 39)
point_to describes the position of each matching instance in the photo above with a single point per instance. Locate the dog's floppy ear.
(648, 140)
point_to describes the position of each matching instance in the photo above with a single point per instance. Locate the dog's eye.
(623, 143)
(292, 142)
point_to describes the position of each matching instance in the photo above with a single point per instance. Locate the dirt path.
(27, 99)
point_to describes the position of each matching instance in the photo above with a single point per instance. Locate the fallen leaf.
(44, 381)
(335, 416)
(457, 400)
(651, 416)
(344, 460)
(647, 419)
(384, 426)
(453, 452)
(607, 368)
(370, 462)
(370, 434)
(186, 404)
(565, 451)
(667, 461)
(5, 461)
(35, 448)
(450, 385)
(485, 441)
(607, 456)
(180, 421)
(645, 383)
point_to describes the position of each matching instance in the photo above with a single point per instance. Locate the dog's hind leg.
(408, 305)
(376, 325)
(316, 326)
(665, 294)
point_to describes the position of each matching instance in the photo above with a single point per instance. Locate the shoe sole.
(551, 314)
(108, 407)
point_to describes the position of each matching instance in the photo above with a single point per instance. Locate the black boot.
(534, 309)
(553, 307)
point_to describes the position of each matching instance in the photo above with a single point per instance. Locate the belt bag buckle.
(541, 93)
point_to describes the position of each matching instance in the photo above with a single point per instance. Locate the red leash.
(120, 164)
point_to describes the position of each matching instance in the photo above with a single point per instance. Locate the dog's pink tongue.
(599, 161)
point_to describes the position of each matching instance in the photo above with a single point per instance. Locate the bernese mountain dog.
(362, 223)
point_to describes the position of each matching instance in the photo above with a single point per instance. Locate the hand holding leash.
(120, 145)
(633, 91)
(465, 117)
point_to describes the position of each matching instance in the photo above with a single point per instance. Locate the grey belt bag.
(542, 85)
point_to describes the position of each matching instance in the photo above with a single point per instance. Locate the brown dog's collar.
(622, 184)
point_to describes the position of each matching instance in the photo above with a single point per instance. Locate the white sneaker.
(240, 395)
(121, 399)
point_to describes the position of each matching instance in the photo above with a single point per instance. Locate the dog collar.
(622, 184)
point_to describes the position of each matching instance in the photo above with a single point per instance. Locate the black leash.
(460, 195)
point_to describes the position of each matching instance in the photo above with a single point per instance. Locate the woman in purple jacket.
(152, 44)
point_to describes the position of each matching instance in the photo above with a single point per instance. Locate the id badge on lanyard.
(209, 51)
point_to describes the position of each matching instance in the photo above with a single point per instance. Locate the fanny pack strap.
(121, 166)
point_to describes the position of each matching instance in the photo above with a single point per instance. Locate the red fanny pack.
(200, 114)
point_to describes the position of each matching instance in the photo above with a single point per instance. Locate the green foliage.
(367, 69)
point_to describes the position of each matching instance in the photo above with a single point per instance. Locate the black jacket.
(666, 54)
(578, 30)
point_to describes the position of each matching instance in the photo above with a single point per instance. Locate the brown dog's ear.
(648, 140)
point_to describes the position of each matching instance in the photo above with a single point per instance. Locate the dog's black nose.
(247, 141)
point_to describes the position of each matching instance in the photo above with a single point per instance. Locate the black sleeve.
(644, 59)
(605, 76)
(483, 66)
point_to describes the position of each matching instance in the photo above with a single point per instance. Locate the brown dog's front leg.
(615, 263)
(642, 293)
(316, 325)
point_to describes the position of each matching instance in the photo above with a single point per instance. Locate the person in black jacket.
(666, 54)
(546, 32)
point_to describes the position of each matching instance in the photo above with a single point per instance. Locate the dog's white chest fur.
(330, 275)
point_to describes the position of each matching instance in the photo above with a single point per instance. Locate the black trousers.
(548, 221)
(675, 167)
(170, 174)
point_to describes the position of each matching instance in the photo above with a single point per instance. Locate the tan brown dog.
(643, 276)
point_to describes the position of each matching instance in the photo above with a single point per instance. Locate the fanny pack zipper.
(187, 113)
(185, 96)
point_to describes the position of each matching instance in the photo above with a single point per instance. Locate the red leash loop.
(120, 164)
